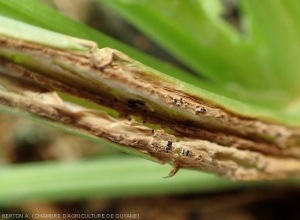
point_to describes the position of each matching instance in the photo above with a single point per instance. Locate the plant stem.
(202, 131)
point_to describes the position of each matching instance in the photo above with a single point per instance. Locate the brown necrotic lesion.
(210, 138)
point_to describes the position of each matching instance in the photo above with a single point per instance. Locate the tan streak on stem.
(219, 141)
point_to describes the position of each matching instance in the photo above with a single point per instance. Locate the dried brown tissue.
(216, 140)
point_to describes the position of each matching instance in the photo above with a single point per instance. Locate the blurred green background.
(47, 171)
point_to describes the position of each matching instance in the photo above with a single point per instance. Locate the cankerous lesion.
(167, 123)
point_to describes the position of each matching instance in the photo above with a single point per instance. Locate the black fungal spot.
(185, 152)
(167, 148)
(200, 110)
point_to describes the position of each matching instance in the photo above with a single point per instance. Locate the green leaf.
(112, 177)
(272, 29)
